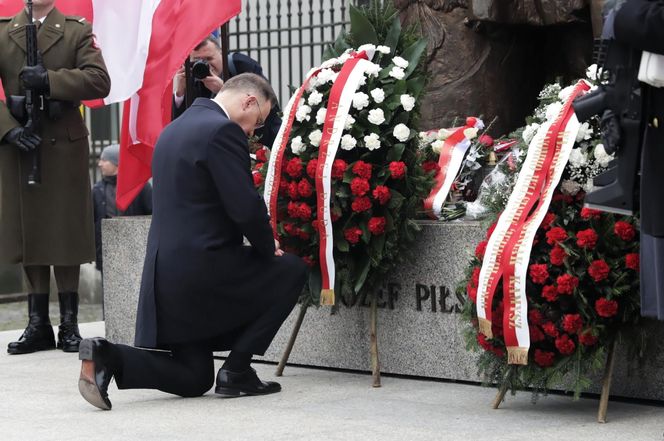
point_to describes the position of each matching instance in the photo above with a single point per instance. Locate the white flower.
(343, 57)
(378, 95)
(443, 134)
(360, 100)
(383, 49)
(471, 132)
(589, 186)
(529, 132)
(315, 137)
(577, 158)
(348, 142)
(408, 102)
(401, 132)
(325, 75)
(362, 81)
(376, 116)
(372, 142)
(297, 146)
(372, 69)
(593, 73)
(437, 145)
(552, 110)
(367, 47)
(570, 187)
(601, 156)
(303, 113)
(315, 98)
(400, 62)
(349, 122)
(320, 116)
(585, 132)
(397, 73)
(565, 93)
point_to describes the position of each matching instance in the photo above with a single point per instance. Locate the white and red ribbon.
(450, 160)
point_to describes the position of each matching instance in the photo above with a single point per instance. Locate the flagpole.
(223, 35)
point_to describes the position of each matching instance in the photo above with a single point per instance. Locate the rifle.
(31, 109)
(618, 102)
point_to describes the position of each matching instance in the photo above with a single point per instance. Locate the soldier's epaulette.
(76, 18)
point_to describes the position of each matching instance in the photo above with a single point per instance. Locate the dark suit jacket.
(641, 24)
(237, 64)
(199, 281)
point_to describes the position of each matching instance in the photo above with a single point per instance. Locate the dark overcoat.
(641, 24)
(199, 281)
(50, 224)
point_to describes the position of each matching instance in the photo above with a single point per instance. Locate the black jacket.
(641, 24)
(141, 205)
(199, 281)
(237, 64)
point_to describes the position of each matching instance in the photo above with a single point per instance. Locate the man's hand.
(35, 77)
(277, 249)
(213, 83)
(22, 140)
(180, 82)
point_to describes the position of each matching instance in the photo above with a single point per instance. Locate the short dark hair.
(206, 41)
(251, 82)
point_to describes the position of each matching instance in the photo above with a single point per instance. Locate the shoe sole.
(88, 389)
(227, 392)
(47, 347)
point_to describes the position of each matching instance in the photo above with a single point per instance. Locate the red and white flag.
(144, 43)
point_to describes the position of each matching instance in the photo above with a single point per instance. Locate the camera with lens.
(200, 69)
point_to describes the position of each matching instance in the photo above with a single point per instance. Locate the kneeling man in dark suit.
(202, 290)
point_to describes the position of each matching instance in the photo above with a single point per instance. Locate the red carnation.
(491, 229)
(567, 284)
(539, 273)
(353, 234)
(547, 221)
(606, 308)
(624, 230)
(289, 228)
(361, 204)
(430, 166)
(338, 168)
(557, 256)
(586, 238)
(565, 345)
(535, 317)
(382, 194)
(572, 323)
(632, 261)
(315, 224)
(261, 155)
(293, 209)
(294, 168)
(304, 211)
(589, 213)
(544, 358)
(305, 188)
(481, 249)
(359, 186)
(397, 169)
(481, 339)
(555, 235)
(362, 169)
(549, 293)
(475, 278)
(536, 334)
(472, 292)
(598, 270)
(258, 179)
(258, 166)
(550, 329)
(377, 225)
(311, 168)
(283, 187)
(293, 192)
(587, 338)
(486, 140)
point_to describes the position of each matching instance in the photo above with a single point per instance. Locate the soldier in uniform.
(49, 224)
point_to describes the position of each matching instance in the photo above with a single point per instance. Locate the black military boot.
(38, 336)
(68, 336)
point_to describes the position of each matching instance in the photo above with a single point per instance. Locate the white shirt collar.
(222, 108)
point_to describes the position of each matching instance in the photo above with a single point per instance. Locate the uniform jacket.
(641, 24)
(50, 224)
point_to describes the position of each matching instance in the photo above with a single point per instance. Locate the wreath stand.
(606, 385)
(373, 342)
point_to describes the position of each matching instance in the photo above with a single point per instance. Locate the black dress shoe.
(100, 363)
(233, 384)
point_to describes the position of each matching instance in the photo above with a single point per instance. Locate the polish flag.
(144, 43)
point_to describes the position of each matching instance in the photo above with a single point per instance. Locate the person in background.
(103, 196)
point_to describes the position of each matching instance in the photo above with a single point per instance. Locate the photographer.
(640, 23)
(209, 52)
